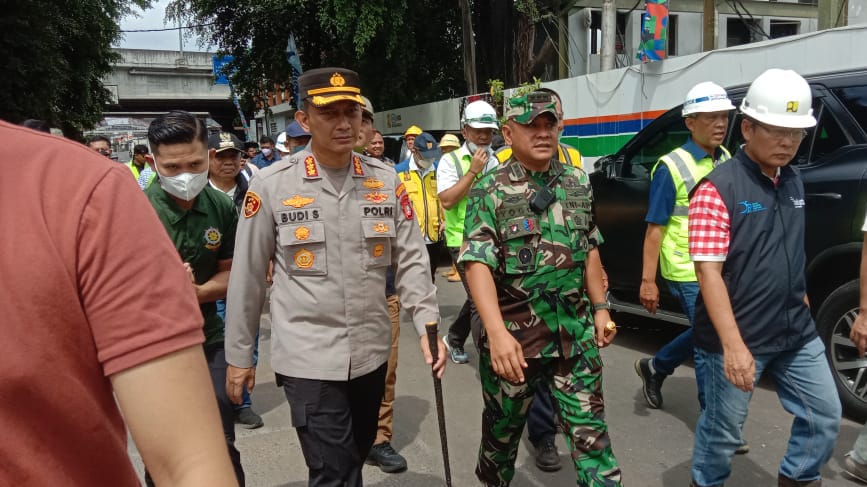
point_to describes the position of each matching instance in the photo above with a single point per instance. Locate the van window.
(828, 137)
(666, 139)
(855, 99)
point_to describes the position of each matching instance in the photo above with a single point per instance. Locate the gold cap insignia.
(337, 80)
(298, 201)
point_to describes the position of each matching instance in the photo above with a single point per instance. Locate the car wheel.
(834, 322)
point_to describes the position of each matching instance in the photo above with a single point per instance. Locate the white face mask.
(266, 152)
(185, 186)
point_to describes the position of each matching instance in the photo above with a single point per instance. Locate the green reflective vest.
(456, 214)
(686, 172)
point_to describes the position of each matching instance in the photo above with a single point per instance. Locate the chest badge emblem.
(378, 250)
(371, 183)
(302, 233)
(380, 227)
(298, 201)
(376, 197)
(304, 259)
(252, 203)
(213, 237)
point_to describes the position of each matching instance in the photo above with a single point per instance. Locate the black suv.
(833, 162)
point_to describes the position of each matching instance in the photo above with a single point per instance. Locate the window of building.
(742, 31)
(672, 35)
(784, 27)
(596, 32)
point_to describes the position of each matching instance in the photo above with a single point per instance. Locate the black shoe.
(384, 456)
(248, 419)
(652, 383)
(743, 449)
(547, 456)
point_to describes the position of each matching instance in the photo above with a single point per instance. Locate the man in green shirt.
(201, 223)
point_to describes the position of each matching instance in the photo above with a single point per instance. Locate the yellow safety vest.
(456, 214)
(566, 153)
(422, 191)
(686, 172)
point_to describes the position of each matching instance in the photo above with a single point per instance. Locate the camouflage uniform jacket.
(537, 260)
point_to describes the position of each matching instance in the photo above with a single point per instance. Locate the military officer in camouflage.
(535, 274)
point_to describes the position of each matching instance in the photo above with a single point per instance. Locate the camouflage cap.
(525, 108)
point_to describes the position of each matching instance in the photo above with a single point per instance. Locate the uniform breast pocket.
(304, 250)
(377, 243)
(520, 243)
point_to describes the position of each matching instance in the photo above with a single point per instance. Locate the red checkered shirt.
(708, 225)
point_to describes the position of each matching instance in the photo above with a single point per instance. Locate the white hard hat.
(280, 145)
(705, 98)
(780, 97)
(480, 114)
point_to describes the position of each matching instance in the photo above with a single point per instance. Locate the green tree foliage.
(55, 54)
(405, 52)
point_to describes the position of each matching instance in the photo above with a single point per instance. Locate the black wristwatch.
(602, 305)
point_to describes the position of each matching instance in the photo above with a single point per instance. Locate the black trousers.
(468, 319)
(216, 358)
(541, 422)
(336, 423)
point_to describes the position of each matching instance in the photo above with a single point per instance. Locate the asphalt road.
(653, 446)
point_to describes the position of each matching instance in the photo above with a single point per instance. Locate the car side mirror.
(606, 166)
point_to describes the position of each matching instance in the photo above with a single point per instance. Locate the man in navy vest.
(746, 237)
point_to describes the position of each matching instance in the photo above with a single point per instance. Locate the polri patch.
(406, 206)
(252, 203)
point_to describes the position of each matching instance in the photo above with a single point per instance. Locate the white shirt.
(447, 173)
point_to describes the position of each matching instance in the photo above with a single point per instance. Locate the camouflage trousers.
(576, 386)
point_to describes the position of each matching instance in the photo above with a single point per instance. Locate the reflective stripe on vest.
(456, 214)
(674, 261)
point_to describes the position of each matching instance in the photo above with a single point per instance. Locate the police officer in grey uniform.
(333, 221)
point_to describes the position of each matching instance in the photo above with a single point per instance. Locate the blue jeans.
(682, 347)
(805, 388)
(246, 402)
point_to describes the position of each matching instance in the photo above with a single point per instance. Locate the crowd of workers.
(231, 229)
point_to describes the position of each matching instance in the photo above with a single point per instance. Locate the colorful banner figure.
(654, 31)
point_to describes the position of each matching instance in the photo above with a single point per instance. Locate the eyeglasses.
(778, 134)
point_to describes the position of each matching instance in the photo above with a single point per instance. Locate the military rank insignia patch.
(310, 167)
(400, 190)
(380, 227)
(356, 166)
(304, 259)
(252, 203)
(302, 233)
(376, 197)
(213, 237)
(406, 206)
(378, 250)
(528, 225)
(298, 201)
(371, 183)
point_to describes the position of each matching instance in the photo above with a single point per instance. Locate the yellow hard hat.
(413, 130)
(450, 140)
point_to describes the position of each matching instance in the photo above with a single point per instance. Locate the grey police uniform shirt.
(331, 249)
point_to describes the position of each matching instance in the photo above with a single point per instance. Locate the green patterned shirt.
(537, 260)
